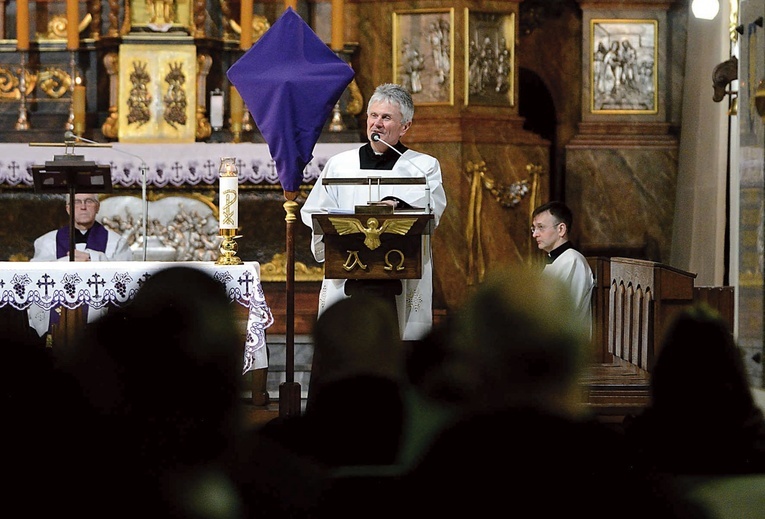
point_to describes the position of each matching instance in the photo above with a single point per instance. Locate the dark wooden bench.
(633, 301)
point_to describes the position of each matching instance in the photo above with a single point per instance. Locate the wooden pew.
(642, 298)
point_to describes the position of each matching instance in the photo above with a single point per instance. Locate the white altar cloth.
(48, 284)
(172, 165)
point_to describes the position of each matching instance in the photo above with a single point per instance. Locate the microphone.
(376, 138)
(70, 139)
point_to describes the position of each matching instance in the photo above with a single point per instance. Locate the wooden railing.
(633, 302)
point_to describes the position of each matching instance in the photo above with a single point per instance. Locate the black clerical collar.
(81, 237)
(370, 160)
(560, 249)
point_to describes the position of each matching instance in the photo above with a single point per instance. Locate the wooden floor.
(258, 415)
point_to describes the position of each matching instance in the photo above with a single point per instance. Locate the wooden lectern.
(373, 251)
(373, 246)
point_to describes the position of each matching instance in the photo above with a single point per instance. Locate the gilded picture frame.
(624, 66)
(423, 54)
(489, 58)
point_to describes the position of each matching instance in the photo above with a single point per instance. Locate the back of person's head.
(700, 369)
(395, 94)
(356, 337)
(161, 377)
(558, 210)
(168, 364)
(516, 343)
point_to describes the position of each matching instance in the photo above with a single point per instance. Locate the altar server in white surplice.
(389, 115)
(550, 226)
(93, 242)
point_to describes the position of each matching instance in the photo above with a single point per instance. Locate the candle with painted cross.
(228, 196)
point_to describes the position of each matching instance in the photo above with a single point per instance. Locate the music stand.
(72, 174)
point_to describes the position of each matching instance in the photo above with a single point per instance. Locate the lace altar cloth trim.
(49, 284)
(166, 164)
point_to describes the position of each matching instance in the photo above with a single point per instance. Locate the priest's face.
(548, 232)
(384, 119)
(85, 210)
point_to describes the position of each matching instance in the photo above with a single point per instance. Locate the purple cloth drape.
(290, 81)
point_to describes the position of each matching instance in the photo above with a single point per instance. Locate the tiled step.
(277, 369)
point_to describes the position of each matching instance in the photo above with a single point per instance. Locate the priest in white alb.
(389, 115)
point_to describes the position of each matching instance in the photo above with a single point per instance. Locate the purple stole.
(97, 238)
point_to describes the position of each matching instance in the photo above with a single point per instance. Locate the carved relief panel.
(157, 93)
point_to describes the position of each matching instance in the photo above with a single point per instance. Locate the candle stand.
(73, 67)
(22, 123)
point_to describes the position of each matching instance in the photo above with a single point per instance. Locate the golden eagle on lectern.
(373, 230)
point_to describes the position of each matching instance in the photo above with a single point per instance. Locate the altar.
(115, 283)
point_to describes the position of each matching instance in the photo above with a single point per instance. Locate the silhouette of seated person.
(702, 418)
(354, 413)
(44, 425)
(354, 418)
(162, 377)
(521, 442)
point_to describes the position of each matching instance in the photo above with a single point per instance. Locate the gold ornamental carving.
(353, 261)
(389, 257)
(54, 82)
(139, 100)
(161, 13)
(260, 25)
(57, 27)
(157, 93)
(276, 270)
(204, 128)
(356, 101)
(373, 229)
(10, 83)
(111, 125)
(175, 101)
(164, 18)
(507, 195)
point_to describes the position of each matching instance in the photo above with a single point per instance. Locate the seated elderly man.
(93, 242)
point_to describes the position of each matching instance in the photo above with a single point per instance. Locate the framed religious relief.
(423, 54)
(623, 66)
(490, 59)
(157, 93)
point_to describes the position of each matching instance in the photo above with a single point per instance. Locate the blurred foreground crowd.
(484, 415)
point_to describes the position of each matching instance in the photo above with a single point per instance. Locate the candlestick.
(69, 125)
(337, 124)
(22, 24)
(78, 108)
(245, 39)
(72, 25)
(22, 123)
(338, 39)
(228, 211)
